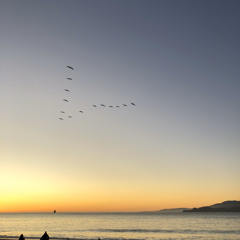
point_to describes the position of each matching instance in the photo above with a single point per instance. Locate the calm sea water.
(217, 226)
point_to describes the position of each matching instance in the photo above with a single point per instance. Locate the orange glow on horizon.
(25, 189)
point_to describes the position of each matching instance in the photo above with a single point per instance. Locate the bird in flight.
(60, 118)
(62, 112)
(69, 78)
(65, 100)
(70, 116)
(124, 105)
(133, 104)
(117, 106)
(94, 105)
(70, 67)
(81, 111)
(102, 105)
(110, 106)
(66, 90)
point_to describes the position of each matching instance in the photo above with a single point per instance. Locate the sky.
(178, 61)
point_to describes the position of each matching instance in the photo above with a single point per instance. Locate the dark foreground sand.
(2, 238)
(26, 238)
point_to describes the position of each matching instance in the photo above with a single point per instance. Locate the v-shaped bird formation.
(101, 105)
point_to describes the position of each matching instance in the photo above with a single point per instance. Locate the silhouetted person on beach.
(21, 237)
(45, 236)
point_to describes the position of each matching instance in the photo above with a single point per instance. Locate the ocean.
(124, 226)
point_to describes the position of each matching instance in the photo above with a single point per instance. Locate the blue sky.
(177, 60)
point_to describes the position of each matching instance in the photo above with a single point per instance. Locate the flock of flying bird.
(101, 105)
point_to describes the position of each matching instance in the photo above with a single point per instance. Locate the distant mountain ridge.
(227, 206)
(170, 210)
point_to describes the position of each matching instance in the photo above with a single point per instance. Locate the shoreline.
(31, 238)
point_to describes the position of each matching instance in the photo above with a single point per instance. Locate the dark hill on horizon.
(226, 206)
(169, 210)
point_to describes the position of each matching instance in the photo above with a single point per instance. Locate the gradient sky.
(177, 60)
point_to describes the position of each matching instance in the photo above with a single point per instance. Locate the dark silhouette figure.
(45, 236)
(94, 105)
(124, 105)
(133, 104)
(69, 78)
(70, 116)
(65, 100)
(102, 105)
(66, 90)
(70, 67)
(60, 118)
(117, 106)
(62, 111)
(21, 237)
(81, 111)
(110, 106)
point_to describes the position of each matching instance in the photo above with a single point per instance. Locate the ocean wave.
(166, 231)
